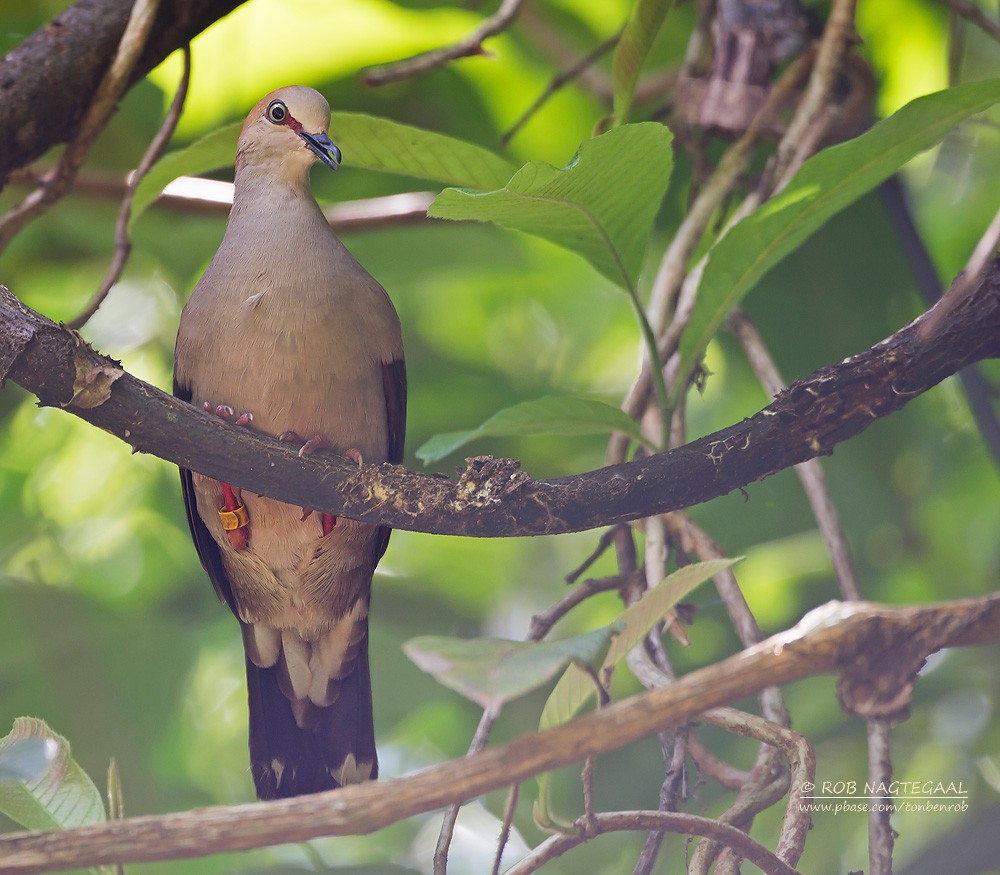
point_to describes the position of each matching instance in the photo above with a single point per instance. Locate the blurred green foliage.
(110, 631)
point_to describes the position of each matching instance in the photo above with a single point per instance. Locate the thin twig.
(674, 745)
(478, 743)
(543, 622)
(724, 774)
(606, 540)
(661, 821)
(976, 15)
(880, 835)
(810, 473)
(967, 280)
(58, 181)
(427, 61)
(796, 144)
(193, 196)
(978, 392)
(767, 782)
(123, 246)
(558, 81)
(508, 821)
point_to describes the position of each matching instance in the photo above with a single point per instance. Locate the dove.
(288, 334)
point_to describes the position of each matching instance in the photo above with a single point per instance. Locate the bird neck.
(271, 194)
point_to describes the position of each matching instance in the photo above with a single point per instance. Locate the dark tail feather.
(290, 761)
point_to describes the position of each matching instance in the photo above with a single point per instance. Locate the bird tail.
(332, 747)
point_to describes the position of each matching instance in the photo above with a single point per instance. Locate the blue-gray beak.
(323, 148)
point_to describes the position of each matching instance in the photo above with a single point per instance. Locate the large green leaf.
(492, 671)
(644, 23)
(367, 141)
(548, 415)
(824, 185)
(601, 205)
(61, 797)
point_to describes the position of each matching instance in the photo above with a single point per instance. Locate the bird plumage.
(285, 324)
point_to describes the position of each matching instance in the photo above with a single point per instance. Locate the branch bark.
(48, 81)
(851, 638)
(492, 497)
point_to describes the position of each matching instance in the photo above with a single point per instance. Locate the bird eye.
(277, 112)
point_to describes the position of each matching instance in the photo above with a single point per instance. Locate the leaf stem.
(655, 362)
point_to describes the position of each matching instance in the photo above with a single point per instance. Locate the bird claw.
(317, 442)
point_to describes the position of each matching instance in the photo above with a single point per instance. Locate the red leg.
(233, 514)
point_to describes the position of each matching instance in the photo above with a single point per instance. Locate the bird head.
(287, 129)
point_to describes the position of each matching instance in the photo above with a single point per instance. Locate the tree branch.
(48, 81)
(493, 498)
(877, 649)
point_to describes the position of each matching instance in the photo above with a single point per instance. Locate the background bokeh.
(110, 631)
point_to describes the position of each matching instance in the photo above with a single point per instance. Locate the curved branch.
(48, 81)
(493, 498)
(877, 649)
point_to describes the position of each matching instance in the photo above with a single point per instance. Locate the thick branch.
(493, 498)
(48, 81)
(886, 644)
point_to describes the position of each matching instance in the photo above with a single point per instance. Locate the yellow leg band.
(233, 519)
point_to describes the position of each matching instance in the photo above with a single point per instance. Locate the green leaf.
(644, 23)
(61, 797)
(27, 759)
(214, 150)
(381, 144)
(492, 671)
(824, 185)
(367, 141)
(575, 688)
(547, 415)
(601, 205)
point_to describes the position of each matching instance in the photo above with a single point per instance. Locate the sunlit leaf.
(492, 671)
(575, 689)
(548, 415)
(366, 141)
(824, 185)
(26, 759)
(61, 797)
(640, 30)
(381, 144)
(214, 150)
(601, 205)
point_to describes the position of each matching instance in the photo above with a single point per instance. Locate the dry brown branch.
(123, 246)
(113, 85)
(51, 77)
(874, 647)
(492, 497)
(427, 61)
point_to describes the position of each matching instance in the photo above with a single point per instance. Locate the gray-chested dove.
(289, 331)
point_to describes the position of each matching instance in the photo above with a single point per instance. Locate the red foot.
(317, 442)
